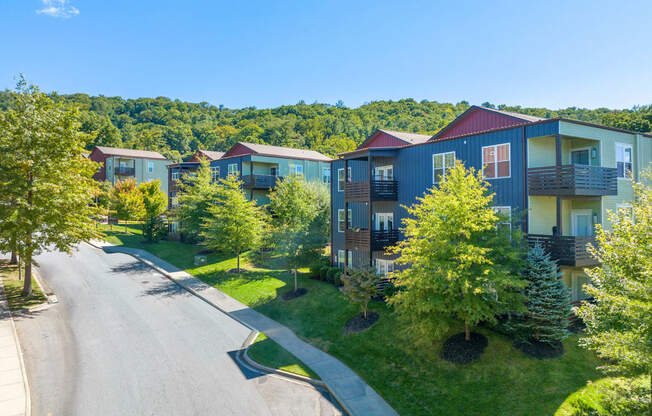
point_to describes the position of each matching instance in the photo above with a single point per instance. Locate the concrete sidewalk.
(355, 396)
(14, 390)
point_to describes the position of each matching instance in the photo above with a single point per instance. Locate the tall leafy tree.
(548, 300)
(128, 201)
(46, 185)
(196, 195)
(300, 211)
(234, 224)
(619, 321)
(155, 204)
(454, 253)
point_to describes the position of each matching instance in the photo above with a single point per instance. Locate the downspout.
(525, 184)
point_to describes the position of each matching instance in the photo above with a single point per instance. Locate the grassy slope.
(269, 353)
(413, 380)
(14, 287)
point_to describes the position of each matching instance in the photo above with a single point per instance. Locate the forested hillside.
(178, 128)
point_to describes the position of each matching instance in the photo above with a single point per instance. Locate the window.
(496, 161)
(326, 175)
(150, 167)
(384, 173)
(174, 227)
(215, 173)
(340, 259)
(296, 169)
(175, 201)
(383, 267)
(233, 169)
(341, 219)
(625, 210)
(340, 179)
(624, 160)
(505, 221)
(175, 175)
(441, 163)
(350, 260)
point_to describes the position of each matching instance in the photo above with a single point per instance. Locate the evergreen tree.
(233, 225)
(548, 300)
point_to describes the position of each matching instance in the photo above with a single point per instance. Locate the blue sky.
(267, 53)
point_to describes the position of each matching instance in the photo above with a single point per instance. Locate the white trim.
(150, 167)
(574, 213)
(338, 220)
(509, 145)
(338, 178)
(329, 174)
(388, 215)
(443, 155)
(631, 162)
(235, 172)
(384, 169)
(340, 255)
(386, 263)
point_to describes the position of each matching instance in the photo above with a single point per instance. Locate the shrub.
(315, 270)
(323, 273)
(389, 290)
(333, 275)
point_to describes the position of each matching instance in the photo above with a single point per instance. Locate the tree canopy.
(177, 128)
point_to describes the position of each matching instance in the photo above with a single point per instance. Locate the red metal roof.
(391, 138)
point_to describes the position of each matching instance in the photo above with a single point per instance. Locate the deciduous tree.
(128, 201)
(46, 185)
(155, 204)
(360, 286)
(454, 257)
(196, 194)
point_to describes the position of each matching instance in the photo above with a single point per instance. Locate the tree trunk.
(364, 313)
(14, 259)
(467, 331)
(238, 262)
(20, 270)
(126, 232)
(27, 286)
(296, 286)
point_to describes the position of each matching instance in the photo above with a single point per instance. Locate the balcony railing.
(566, 250)
(381, 190)
(574, 180)
(260, 181)
(363, 240)
(124, 171)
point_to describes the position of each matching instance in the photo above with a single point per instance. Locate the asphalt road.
(123, 340)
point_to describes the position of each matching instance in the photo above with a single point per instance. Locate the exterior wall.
(97, 156)
(141, 174)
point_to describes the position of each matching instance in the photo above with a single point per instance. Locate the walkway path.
(356, 396)
(14, 391)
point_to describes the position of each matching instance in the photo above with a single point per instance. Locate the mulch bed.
(540, 350)
(359, 323)
(459, 351)
(293, 294)
(235, 270)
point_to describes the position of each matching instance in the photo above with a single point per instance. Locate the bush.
(315, 270)
(616, 397)
(333, 275)
(323, 273)
(389, 290)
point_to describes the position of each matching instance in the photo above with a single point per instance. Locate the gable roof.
(477, 119)
(392, 138)
(209, 154)
(144, 154)
(242, 149)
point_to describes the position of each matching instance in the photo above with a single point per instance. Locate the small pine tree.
(548, 300)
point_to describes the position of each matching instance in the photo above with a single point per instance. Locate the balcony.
(124, 171)
(381, 190)
(363, 240)
(572, 180)
(566, 250)
(260, 181)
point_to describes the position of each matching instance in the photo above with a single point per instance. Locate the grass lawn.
(267, 352)
(415, 381)
(14, 287)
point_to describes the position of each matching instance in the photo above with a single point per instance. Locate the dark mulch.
(540, 350)
(459, 351)
(293, 294)
(235, 270)
(359, 323)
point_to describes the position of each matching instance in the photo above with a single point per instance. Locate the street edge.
(23, 369)
(280, 373)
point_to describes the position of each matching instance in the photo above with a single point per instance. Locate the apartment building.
(562, 175)
(120, 164)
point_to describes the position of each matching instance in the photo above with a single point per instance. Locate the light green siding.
(141, 168)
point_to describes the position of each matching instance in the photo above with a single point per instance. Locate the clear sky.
(267, 53)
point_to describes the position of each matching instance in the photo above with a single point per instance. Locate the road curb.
(106, 247)
(19, 350)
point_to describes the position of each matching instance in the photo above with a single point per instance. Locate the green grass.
(267, 352)
(14, 287)
(414, 380)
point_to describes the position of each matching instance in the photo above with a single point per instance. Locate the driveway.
(124, 340)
